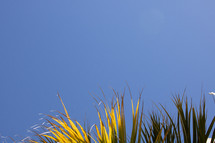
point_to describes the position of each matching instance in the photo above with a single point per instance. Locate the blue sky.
(74, 47)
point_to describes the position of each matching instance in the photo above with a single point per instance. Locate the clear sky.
(76, 46)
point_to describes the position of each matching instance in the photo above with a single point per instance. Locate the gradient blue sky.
(74, 47)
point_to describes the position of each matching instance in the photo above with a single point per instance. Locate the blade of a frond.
(123, 120)
(140, 126)
(56, 136)
(98, 134)
(104, 134)
(132, 106)
(68, 117)
(110, 123)
(84, 132)
(72, 133)
(194, 127)
(145, 132)
(118, 115)
(59, 135)
(108, 119)
(166, 134)
(70, 137)
(113, 118)
(74, 127)
(137, 108)
(172, 123)
(103, 130)
(135, 123)
(178, 133)
(158, 136)
(183, 118)
(50, 137)
(101, 123)
(210, 128)
(63, 106)
(110, 134)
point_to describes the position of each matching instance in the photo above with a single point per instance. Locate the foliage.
(158, 127)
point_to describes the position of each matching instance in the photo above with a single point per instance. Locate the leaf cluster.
(158, 127)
